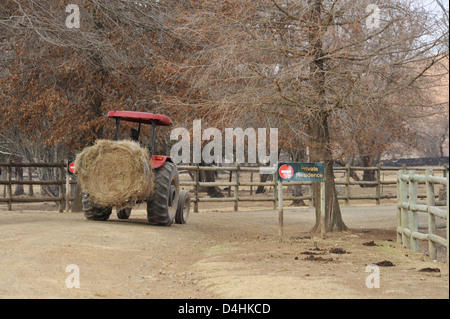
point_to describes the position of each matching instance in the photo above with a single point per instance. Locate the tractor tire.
(162, 204)
(124, 213)
(93, 211)
(183, 207)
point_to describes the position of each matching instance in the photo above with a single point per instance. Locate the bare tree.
(303, 62)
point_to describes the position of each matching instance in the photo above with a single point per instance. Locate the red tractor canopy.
(141, 117)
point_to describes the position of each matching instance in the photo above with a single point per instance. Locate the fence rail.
(408, 208)
(379, 183)
(63, 180)
(234, 185)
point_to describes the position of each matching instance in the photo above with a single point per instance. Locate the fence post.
(280, 209)
(403, 197)
(399, 208)
(413, 227)
(67, 192)
(236, 190)
(448, 218)
(197, 179)
(251, 180)
(431, 218)
(61, 186)
(9, 186)
(378, 190)
(230, 178)
(347, 184)
(275, 188)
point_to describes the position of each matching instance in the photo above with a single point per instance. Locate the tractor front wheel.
(93, 211)
(184, 206)
(124, 213)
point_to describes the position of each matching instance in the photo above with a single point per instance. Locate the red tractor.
(167, 203)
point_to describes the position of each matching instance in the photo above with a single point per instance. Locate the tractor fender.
(159, 160)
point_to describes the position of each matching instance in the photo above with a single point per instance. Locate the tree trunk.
(321, 152)
(19, 176)
(368, 176)
(319, 131)
(263, 178)
(297, 191)
(209, 176)
(212, 191)
(30, 178)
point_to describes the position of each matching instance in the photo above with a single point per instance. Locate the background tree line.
(331, 81)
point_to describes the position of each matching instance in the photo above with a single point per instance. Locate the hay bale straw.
(115, 173)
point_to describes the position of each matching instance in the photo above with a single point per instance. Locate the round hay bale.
(115, 173)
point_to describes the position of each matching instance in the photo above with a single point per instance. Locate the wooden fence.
(346, 181)
(62, 181)
(235, 183)
(408, 208)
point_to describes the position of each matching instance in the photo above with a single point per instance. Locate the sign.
(303, 172)
(71, 168)
(285, 171)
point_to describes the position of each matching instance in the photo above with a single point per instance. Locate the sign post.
(301, 172)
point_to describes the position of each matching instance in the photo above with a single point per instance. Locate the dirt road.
(216, 255)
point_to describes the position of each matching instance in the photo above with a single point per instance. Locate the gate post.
(9, 186)
(431, 218)
(413, 226)
(280, 209)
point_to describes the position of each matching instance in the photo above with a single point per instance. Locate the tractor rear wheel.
(162, 204)
(93, 211)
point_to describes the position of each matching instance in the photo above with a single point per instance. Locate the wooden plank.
(197, 179)
(236, 190)
(23, 182)
(399, 210)
(432, 251)
(212, 199)
(61, 176)
(347, 185)
(378, 187)
(448, 219)
(9, 185)
(255, 199)
(419, 236)
(31, 199)
(404, 211)
(268, 184)
(40, 165)
(436, 211)
(280, 209)
(210, 184)
(438, 240)
(413, 224)
(436, 180)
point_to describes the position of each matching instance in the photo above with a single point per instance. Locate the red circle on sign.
(286, 171)
(72, 168)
